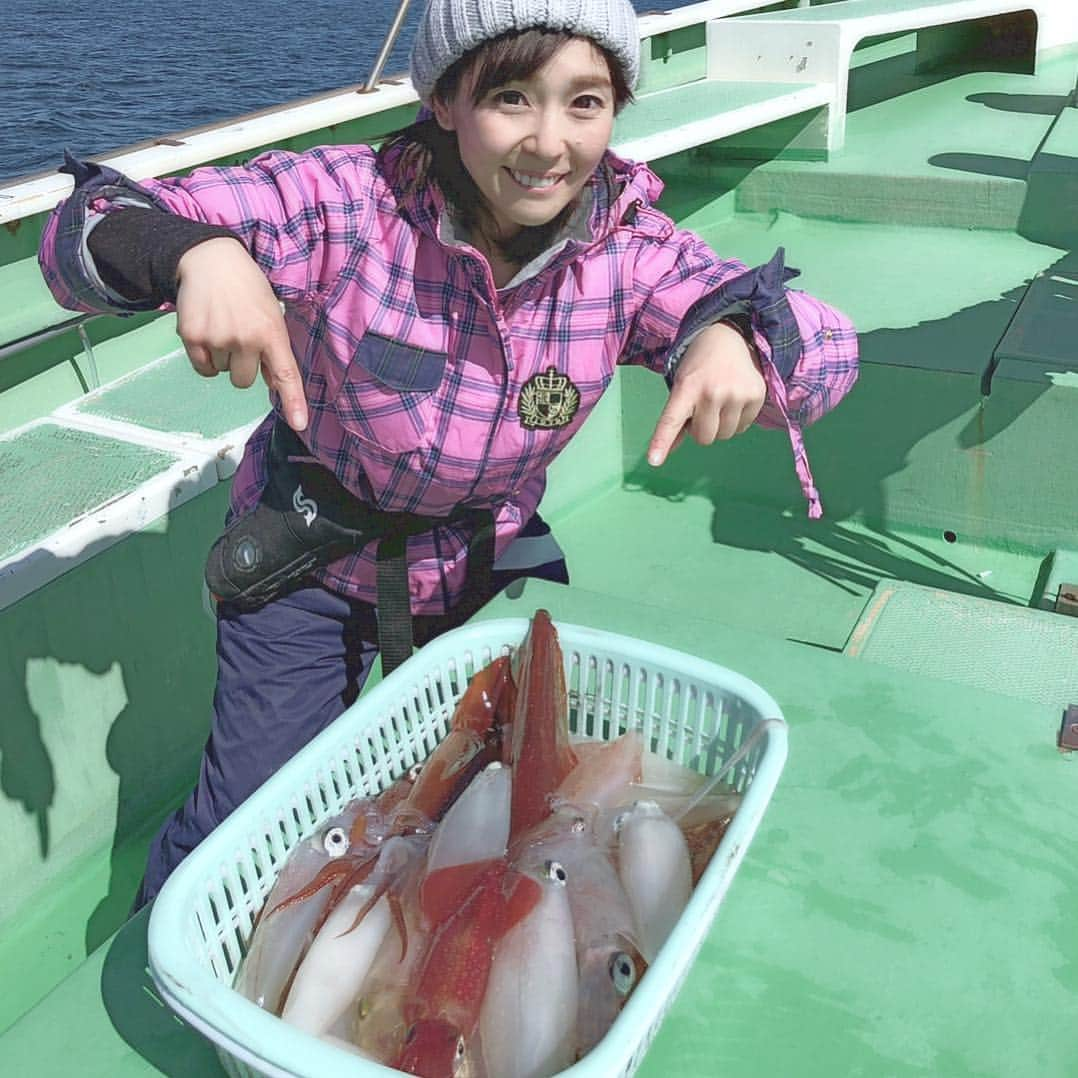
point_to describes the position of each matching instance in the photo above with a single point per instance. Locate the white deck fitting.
(815, 45)
(731, 122)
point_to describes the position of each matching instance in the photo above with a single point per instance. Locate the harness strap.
(396, 632)
(394, 604)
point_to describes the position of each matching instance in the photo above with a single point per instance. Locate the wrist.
(732, 323)
(204, 248)
(741, 324)
(728, 337)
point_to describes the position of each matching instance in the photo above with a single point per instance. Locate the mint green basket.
(691, 711)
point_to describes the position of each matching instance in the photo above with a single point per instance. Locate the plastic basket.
(690, 710)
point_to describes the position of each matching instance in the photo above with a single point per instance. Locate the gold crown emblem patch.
(548, 401)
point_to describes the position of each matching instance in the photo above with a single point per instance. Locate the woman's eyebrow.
(589, 82)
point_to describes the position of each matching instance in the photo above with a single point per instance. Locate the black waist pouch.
(307, 519)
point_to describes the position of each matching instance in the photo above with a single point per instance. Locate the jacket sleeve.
(807, 349)
(298, 215)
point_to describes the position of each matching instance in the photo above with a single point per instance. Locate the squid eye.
(414, 772)
(554, 871)
(335, 841)
(461, 1047)
(410, 1035)
(622, 973)
(578, 825)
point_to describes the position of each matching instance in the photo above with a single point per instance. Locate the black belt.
(307, 519)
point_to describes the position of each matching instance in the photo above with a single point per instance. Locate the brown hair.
(430, 153)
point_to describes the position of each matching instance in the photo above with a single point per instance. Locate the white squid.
(608, 958)
(329, 978)
(280, 938)
(477, 826)
(528, 1019)
(656, 871)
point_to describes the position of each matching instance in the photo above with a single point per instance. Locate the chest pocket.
(387, 396)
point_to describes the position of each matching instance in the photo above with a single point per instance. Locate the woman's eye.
(509, 97)
(588, 103)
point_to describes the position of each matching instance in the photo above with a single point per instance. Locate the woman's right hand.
(229, 320)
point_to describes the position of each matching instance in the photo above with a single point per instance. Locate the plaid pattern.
(377, 305)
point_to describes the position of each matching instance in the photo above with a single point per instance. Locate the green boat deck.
(903, 907)
(908, 884)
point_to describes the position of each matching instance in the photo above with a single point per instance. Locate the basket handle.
(747, 746)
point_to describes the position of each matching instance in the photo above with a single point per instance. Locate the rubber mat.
(52, 475)
(1012, 650)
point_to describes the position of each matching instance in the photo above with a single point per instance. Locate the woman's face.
(532, 144)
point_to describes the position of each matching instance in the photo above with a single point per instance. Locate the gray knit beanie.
(451, 28)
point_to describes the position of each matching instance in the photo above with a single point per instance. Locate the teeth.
(534, 181)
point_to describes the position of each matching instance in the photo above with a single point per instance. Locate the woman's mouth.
(532, 182)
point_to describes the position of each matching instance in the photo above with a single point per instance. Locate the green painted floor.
(941, 150)
(902, 891)
(788, 577)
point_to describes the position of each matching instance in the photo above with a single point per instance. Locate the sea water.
(92, 77)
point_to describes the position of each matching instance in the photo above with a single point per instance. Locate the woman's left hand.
(718, 392)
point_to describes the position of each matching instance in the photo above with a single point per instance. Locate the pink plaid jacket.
(418, 370)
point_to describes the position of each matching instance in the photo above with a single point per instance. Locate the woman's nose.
(545, 140)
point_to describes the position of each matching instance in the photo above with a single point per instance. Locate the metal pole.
(23, 343)
(387, 48)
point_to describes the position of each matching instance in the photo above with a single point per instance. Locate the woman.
(454, 305)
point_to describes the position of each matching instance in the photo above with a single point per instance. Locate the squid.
(329, 978)
(476, 828)
(473, 741)
(443, 1007)
(377, 1022)
(284, 931)
(541, 756)
(528, 1018)
(609, 963)
(656, 871)
(603, 772)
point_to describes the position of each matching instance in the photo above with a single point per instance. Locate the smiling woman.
(532, 143)
(519, 126)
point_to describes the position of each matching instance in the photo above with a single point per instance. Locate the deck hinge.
(1067, 600)
(1068, 731)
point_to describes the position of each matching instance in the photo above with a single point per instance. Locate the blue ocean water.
(96, 76)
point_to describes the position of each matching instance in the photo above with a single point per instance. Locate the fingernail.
(654, 459)
(298, 421)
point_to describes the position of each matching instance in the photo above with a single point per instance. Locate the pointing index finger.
(669, 430)
(281, 372)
